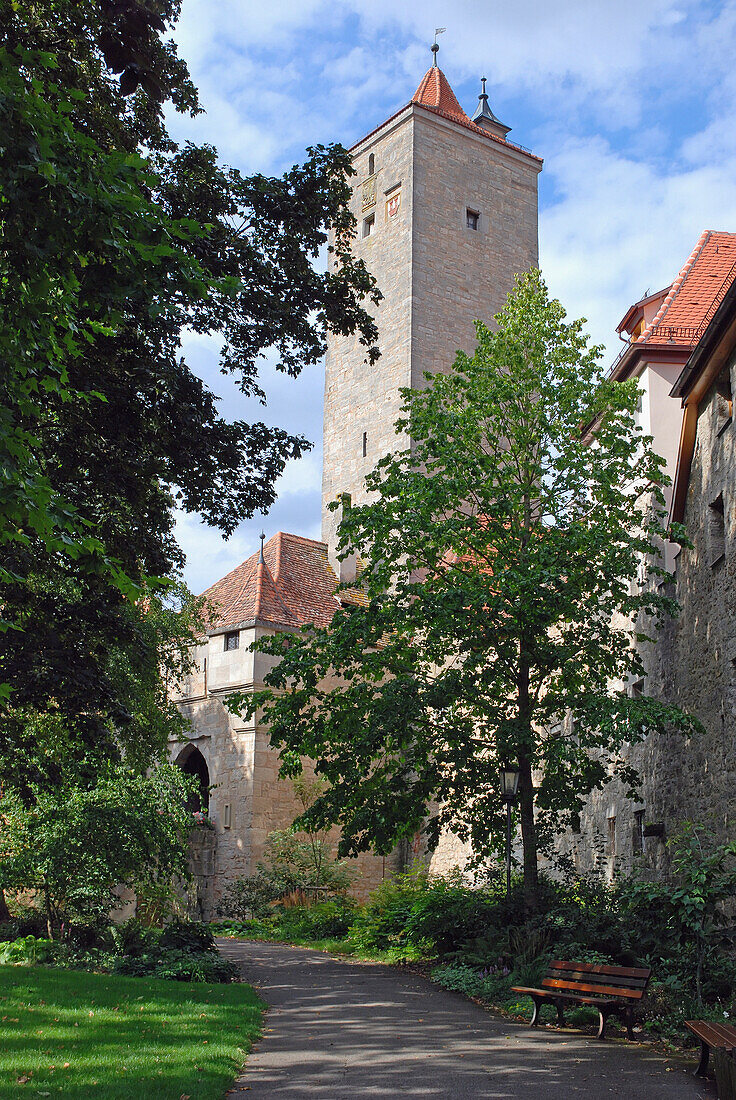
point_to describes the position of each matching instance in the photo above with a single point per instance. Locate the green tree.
(76, 846)
(509, 568)
(113, 240)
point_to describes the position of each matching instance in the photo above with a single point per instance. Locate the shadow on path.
(341, 1030)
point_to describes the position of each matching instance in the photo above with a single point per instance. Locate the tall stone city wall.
(692, 664)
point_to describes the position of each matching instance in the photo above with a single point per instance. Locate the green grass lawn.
(76, 1035)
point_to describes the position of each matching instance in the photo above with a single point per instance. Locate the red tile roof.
(435, 94)
(292, 586)
(434, 91)
(696, 292)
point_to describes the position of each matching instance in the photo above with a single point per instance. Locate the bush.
(28, 950)
(249, 897)
(325, 920)
(178, 965)
(192, 936)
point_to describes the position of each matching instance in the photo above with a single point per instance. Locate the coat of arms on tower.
(392, 205)
(369, 193)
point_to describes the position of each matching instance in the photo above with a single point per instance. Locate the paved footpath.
(340, 1030)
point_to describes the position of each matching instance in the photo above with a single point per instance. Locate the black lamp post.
(509, 787)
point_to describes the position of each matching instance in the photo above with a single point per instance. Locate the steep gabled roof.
(697, 291)
(688, 306)
(293, 585)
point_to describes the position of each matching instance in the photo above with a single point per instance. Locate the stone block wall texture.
(692, 664)
(437, 276)
(243, 772)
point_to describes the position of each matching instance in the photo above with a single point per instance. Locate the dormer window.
(232, 640)
(472, 219)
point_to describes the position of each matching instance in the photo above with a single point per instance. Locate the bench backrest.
(597, 980)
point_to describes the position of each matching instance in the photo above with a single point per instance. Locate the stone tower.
(446, 209)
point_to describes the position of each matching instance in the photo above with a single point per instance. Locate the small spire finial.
(483, 86)
(262, 537)
(435, 45)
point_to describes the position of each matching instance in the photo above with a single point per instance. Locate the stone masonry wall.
(247, 799)
(460, 275)
(436, 275)
(359, 398)
(693, 665)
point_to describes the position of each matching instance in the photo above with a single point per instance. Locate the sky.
(631, 104)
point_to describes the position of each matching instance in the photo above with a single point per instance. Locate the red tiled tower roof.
(293, 585)
(435, 92)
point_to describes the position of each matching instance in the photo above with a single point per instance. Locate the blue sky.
(632, 106)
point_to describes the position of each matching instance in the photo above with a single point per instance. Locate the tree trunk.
(526, 788)
(528, 836)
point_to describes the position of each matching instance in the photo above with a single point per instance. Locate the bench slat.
(594, 987)
(713, 1034)
(602, 968)
(574, 976)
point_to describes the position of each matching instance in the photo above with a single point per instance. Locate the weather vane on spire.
(435, 47)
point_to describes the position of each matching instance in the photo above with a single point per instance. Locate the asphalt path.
(341, 1030)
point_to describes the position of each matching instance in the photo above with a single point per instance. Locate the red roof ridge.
(677, 283)
(267, 598)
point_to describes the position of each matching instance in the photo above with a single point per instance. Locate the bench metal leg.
(702, 1069)
(535, 1015)
(602, 1016)
(630, 1024)
(560, 1014)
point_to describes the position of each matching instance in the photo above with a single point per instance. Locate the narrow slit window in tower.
(371, 164)
(369, 225)
(717, 531)
(365, 444)
(724, 399)
(472, 218)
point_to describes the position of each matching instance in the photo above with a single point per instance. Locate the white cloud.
(632, 106)
(621, 226)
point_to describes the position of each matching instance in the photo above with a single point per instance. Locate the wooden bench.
(712, 1037)
(612, 990)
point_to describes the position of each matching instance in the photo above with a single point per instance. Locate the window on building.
(717, 531)
(369, 224)
(638, 835)
(637, 689)
(371, 164)
(472, 218)
(365, 444)
(347, 501)
(724, 399)
(232, 640)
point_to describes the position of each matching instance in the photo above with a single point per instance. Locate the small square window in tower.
(369, 224)
(472, 219)
(232, 640)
